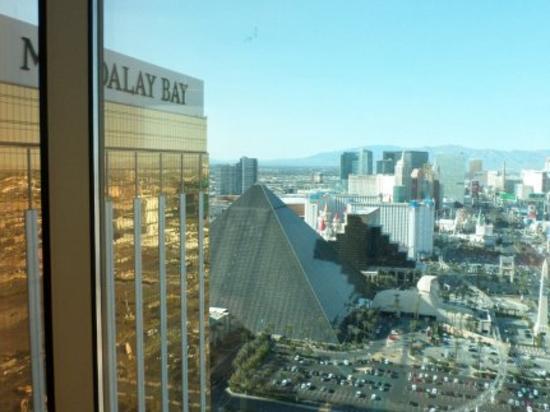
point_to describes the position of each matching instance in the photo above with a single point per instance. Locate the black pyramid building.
(274, 273)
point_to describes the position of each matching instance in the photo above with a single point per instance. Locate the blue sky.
(290, 78)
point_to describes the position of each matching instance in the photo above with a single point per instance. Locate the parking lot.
(366, 383)
(412, 368)
(441, 376)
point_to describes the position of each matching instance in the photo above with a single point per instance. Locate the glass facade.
(155, 164)
(155, 242)
(22, 382)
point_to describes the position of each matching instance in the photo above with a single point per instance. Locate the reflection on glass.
(22, 382)
(156, 172)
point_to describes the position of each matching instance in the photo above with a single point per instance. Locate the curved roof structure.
(274, 273)
(424, 300)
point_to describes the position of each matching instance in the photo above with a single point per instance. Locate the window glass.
(22, 376)
(365, 225)
(155, 200)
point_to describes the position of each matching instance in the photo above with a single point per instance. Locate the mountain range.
(516, 160)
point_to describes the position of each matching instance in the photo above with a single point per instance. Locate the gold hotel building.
(154, 280)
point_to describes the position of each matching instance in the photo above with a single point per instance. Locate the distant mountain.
(492, 159)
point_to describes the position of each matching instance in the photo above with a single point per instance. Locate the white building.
(484, 232)
(446, 225)
(411, 225)
(421, 229)
(424, 300)
(372, 185)
(538, 180)
(495, 179)
(522, 191)
(311, 213)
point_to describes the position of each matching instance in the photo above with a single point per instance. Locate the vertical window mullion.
(69, 126)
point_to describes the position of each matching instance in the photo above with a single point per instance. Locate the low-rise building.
(422, 300)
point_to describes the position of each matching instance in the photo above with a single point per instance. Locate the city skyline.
(169, 242)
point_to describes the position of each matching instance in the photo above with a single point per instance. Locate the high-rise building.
(416, 159)
(475, 166)
(384, 167)
(494, 179)
(452, 169)
(541, 325)
(365, 162)
(247, 173)
(226, 180)
(423, 183)
(538, 180)
(156, 177)
(403, 179)
(349, 164)
(411, 225)
(547, 164)
(363, 245)
(390, 158)
(372, 185)
(236, 179)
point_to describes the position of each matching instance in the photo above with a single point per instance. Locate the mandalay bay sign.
(126, 80)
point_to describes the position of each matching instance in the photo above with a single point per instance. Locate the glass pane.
(156, 194)
(378, 205)
(22, 381)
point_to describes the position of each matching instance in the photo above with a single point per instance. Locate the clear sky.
(286, 78)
